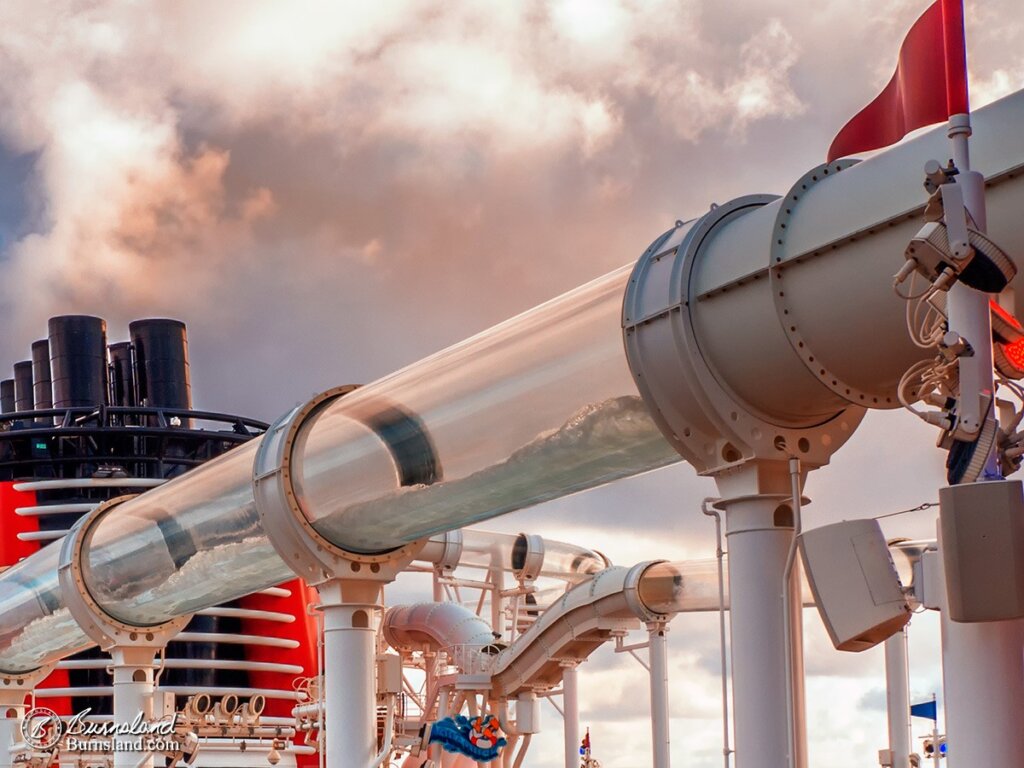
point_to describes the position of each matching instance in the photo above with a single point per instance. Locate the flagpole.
(936, 754)
(983, 671)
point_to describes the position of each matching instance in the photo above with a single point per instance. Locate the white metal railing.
(469, 659)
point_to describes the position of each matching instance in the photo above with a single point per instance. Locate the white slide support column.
(759, 532)
(571, 715)
(897, 698)
(660, 731)
(350, 698)
(133, 668)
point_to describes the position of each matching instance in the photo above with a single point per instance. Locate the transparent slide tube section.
(34, 624)
(490, 550)
(535, 408)
(690, 586)
(186, 545)
(538, 407)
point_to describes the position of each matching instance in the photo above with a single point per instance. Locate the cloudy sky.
(327, 191)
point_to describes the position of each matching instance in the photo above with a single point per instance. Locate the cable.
(906, 398)
(909, 296)
(925, 329)
(918, 508)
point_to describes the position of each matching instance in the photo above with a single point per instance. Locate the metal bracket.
(631, 591)
(956, 220)
(14, 686)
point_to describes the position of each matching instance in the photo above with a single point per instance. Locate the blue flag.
(926, 709)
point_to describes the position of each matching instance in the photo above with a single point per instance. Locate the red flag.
(929, 85)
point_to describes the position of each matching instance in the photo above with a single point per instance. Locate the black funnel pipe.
(24, 400)
(161, 363)
(78, 360)
(7, 396)
(122, 374)
(42, 387)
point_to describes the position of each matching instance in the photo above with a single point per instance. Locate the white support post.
(982, 664)
(983, 684)
(12, 711)
(14, 689)
(444, 700)
(351, 614)
(897, 687)
(133, 668)
(497, 579)
(10, 735)
(759, 531)
(658, 654)
(571, 714)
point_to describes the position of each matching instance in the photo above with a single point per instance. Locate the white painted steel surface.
(660, 732)
(983, 684)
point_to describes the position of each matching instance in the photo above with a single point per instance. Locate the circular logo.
(42, 728)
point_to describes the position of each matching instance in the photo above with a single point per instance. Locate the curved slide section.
(572, 628)
(575, 625)
(437, 626)
(524, 555)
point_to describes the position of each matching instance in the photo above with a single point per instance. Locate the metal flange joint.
(307, 552)
(102, 628)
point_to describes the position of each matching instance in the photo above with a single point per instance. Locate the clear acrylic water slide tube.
(490, 550)
(535, 408)
(35, 627)
(538, 407)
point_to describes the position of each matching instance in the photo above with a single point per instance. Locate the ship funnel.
(78, 360)
(24, 400)
(7, 396)
(42, 387)
(122, 374)
(161, 363)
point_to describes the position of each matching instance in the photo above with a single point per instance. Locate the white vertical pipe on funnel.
(897, 696)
